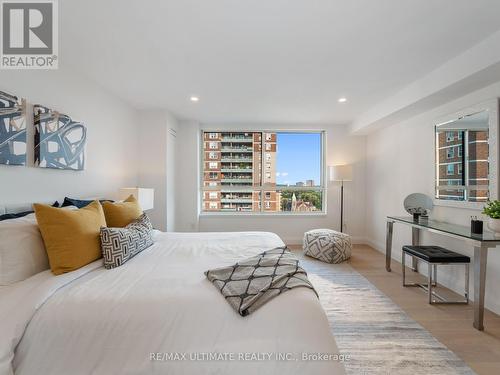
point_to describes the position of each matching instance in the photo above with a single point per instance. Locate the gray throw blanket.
(249, 284)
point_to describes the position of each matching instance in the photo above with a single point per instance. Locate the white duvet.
(157, 314)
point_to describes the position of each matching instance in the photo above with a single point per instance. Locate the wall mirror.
(466, 157)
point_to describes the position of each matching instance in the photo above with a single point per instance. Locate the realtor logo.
(29, 34)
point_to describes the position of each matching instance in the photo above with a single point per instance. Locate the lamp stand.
(342, 207)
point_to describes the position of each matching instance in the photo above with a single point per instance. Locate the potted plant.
(492, 210)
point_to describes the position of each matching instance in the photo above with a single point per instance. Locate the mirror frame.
(492, 106)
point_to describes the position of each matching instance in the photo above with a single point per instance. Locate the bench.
(434, 256)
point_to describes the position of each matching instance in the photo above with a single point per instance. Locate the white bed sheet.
(102, 321)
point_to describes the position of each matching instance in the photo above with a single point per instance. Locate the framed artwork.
(12, 129)
(59, 140)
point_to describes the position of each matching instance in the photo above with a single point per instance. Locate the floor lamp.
(341, 173)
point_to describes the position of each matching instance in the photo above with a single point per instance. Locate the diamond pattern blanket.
(250, 283)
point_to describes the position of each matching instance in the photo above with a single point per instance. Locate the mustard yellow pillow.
(121, 214)
(71, 237)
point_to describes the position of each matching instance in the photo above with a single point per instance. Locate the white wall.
(111, 151)
(341, 148)
(157, 164)
(400, 161)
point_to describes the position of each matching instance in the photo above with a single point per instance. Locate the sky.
(298, 158)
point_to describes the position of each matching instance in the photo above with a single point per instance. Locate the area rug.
(378, 336)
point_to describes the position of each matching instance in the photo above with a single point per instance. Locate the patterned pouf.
(327, 245)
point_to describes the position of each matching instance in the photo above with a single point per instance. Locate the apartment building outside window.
(462, 165)
(291, 180)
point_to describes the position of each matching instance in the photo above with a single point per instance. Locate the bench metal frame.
(432, 281)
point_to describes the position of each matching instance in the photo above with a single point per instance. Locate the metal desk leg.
(480, 260)
(388, 246)
(415, 241)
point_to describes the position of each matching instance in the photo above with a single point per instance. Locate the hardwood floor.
(450, 324)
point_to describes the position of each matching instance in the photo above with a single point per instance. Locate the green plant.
(492, 209)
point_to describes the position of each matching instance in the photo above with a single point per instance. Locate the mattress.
(158, 314)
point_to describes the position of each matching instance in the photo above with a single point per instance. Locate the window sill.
(259, 214)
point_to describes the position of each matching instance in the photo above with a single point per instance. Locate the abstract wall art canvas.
(59, 140)
(12, 130)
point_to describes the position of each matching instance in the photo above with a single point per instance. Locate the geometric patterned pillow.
(119, 245)
(327, 245)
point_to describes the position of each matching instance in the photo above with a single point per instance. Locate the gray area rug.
(379, 337)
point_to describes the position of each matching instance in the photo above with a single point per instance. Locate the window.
(275, 185)
(462, 167)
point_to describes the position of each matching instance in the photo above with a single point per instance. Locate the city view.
(240, 166)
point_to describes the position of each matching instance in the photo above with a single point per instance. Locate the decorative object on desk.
(418, 204)
(341, 173)
(492, 210)
(59, 141)
(12, 130)
(144, 196)
(476, 226)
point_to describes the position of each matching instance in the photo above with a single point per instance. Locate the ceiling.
(266, 61)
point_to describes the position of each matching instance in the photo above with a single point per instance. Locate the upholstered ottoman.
(327, 245)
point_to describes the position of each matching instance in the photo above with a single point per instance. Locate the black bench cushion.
(436, 254)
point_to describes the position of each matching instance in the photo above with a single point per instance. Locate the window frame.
(322, 187)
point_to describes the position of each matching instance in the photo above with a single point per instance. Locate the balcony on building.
(236, 148)
(239, 168)
(236, 158)
(236, 207)
(236, 198)
(237, 137)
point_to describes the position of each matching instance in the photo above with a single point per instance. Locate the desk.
(480, 244)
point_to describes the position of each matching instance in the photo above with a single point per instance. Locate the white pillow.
(22, 252)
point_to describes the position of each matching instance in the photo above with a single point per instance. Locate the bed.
(157, 314)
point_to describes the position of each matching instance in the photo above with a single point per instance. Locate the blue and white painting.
(59, 140)
(12, 130)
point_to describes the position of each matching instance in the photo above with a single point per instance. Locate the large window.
(462, 159)
(262, 172)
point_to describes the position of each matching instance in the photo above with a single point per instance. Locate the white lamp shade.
(340, 172)
(144, 196)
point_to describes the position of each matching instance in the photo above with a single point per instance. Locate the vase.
(494, 225)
